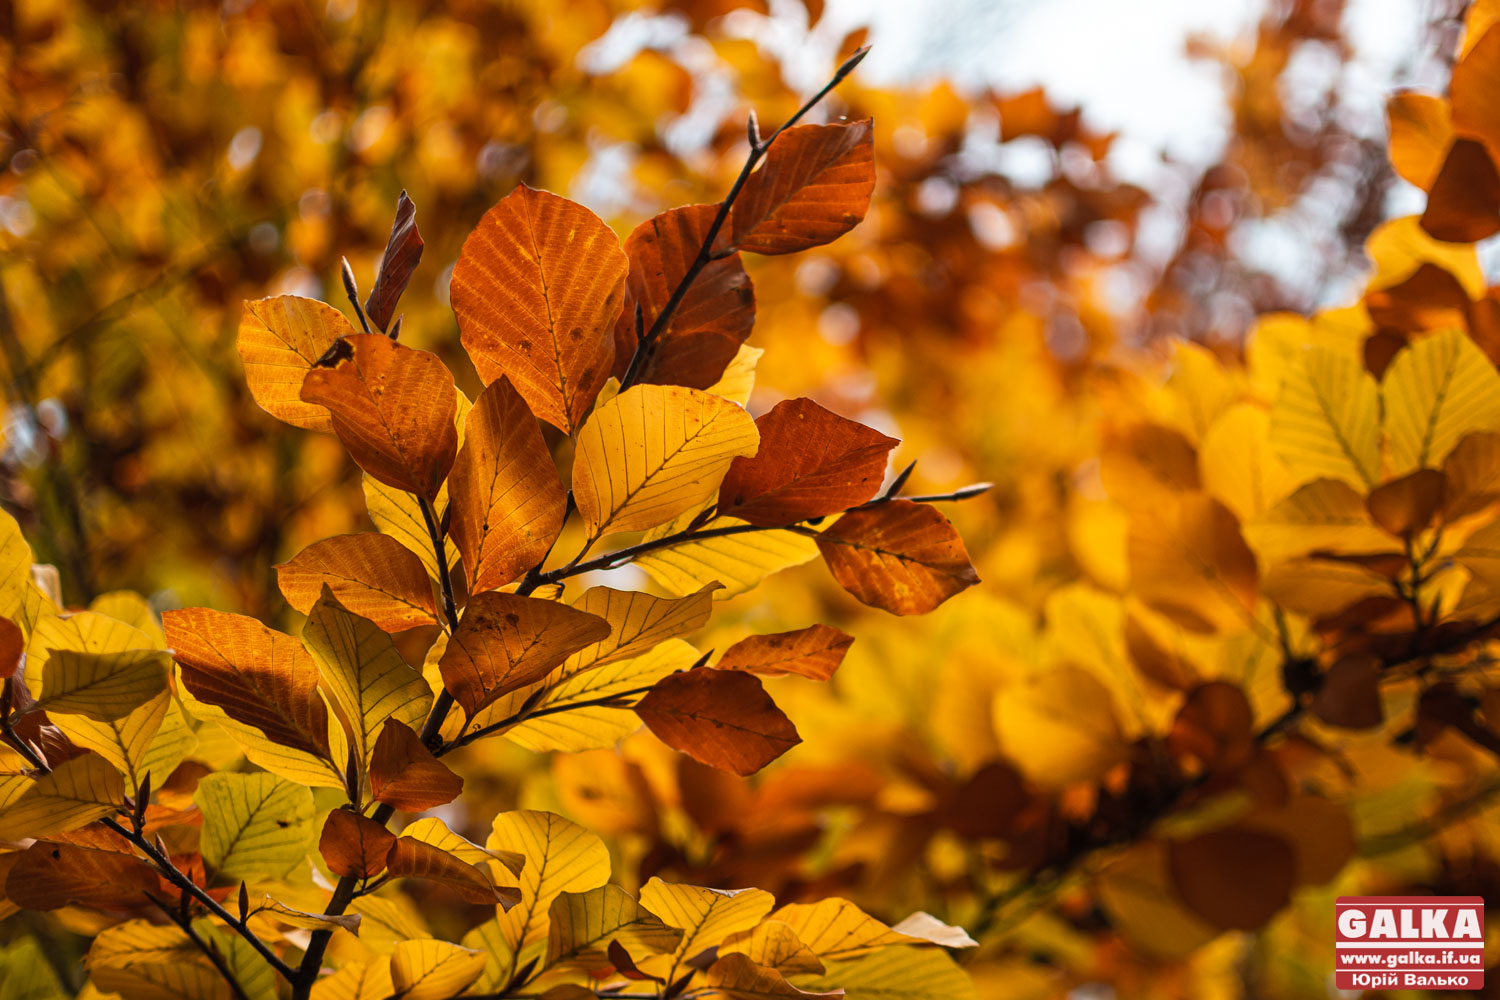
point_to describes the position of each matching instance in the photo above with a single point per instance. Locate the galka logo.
(1410, 943)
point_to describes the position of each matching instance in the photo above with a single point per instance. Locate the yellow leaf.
(737, 976)
(369, 679)
(154, 738)
(583, 924)
(356, 981)
(561, 856)
(387, 921)
(1319, 588)
(1435, 391)
(837, 930)
(1325, 423)
(431, 830)
(85, 632)
(775, 945)
(705, 916)
(737, 562)
(134, 610)
(279, 339)
(738, 380)
(1060, 727)
(21, 600)
(102, 686)
(1237, 465)
(398, 514)
(653, 452)
(898, 974)
(255, 826)
(1323, 515)
(139, 941)
(75, 793)
(637, 622)
(1199, 386)
(178, 981)
(1401, 246)
(433, 970)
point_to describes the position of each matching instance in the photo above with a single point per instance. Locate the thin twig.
(525, 716)
(213, 954)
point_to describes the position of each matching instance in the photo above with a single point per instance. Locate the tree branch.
(212, 953)
(525, 715)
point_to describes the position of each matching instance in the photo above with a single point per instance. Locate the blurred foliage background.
(164, 161)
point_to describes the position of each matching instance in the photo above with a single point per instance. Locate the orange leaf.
(537, 289)
(1421, 130)
(723, 718)
(392, 408)
(354, 845)
(811, 463)
(815, 186)
(814, 652)
(405, 774)
(1407, 505)
(371, 575)
(714, 317)
(506, 641)
(1475, 90)
(410, 858)
(900, 556)
(258, 676)
(12, 645)
(49, 875)
(1464, 203)
(1236, 879)
(279, 341)
(507, 500)
(402, 252)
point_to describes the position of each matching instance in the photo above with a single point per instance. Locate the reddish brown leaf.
(1464, 203)
(900, 556)
(715, 316)
(1407, 505)
(392, 408)
(402, 252)
(410, 858)
(723, 718)
(1236, 879)
(1215, 725)
(354, 845)
(811, 463)
(814, 187)
(537, 289)
(49, 875)
(814, 652)
(258, 676)
(1350, 694)
(370, 574)
(405, 774)
(506, 499)
(506, 641)
(12, 645)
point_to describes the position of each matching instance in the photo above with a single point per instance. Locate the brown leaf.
(405, 774)
(537, 289)
(1215, 725)
(370, 574)
(411, 858)
(354, 845)
(1350, 694)
(814, 652)
(736, 976)
(814, 187)
(811, 463)
(1407, 505)
(279, 341)
(722, 718)
(402, 252)
(900, 556)
(507, 502)
(1464, 203)
(258, 676)
(714, 318)
(1236, 879)
(392, 408)
(49, 875)
(12, 645)
(506, 641)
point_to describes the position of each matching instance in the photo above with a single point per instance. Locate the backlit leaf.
(653, 452)
(74, 793)
(637, 623)
(507, 501)
(837, 930)
(411, 858)
(102, 686)
(898, 974)
(255, 826)
(722, 718)
(583, 923)
(537, 288)
(776, 946)
(738, 562)
(814, 652)
(354, 845)
(1326, 421)
(705, 916)
(372, 575)
(900, 556)
(357, 981)
(1436, 391)
(279, 340)
(49, 875)
(392, 407)
(433, 970)
(814, 187)
(1421, 130)
(736, 975)
(405, 774)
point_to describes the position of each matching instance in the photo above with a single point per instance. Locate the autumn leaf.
(811, 463)
(354, 845)
(1463, 203)
(637, 623)
(653, 452)
(1436, 391)
(537, 288)
(405, 774)
(1233, 878)
(722, 718)
(507, 503)
(1325, 422)
(392, 407)
(371, 575)
(433, 970)
(1421, 128)
(900, 556)
(705, 916)
(102, 686)
(71, 795)
(814, 187)
(411, 858)
(713, 318)
(403, 250)
(582, 924)
(814, 652)
(505, 641)
(774, 945)
(280, 339)
(254, 825)
(735, 563)
(50, 875)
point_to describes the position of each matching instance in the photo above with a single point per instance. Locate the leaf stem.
(706, 254)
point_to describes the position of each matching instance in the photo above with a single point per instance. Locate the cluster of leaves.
(549, 305)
